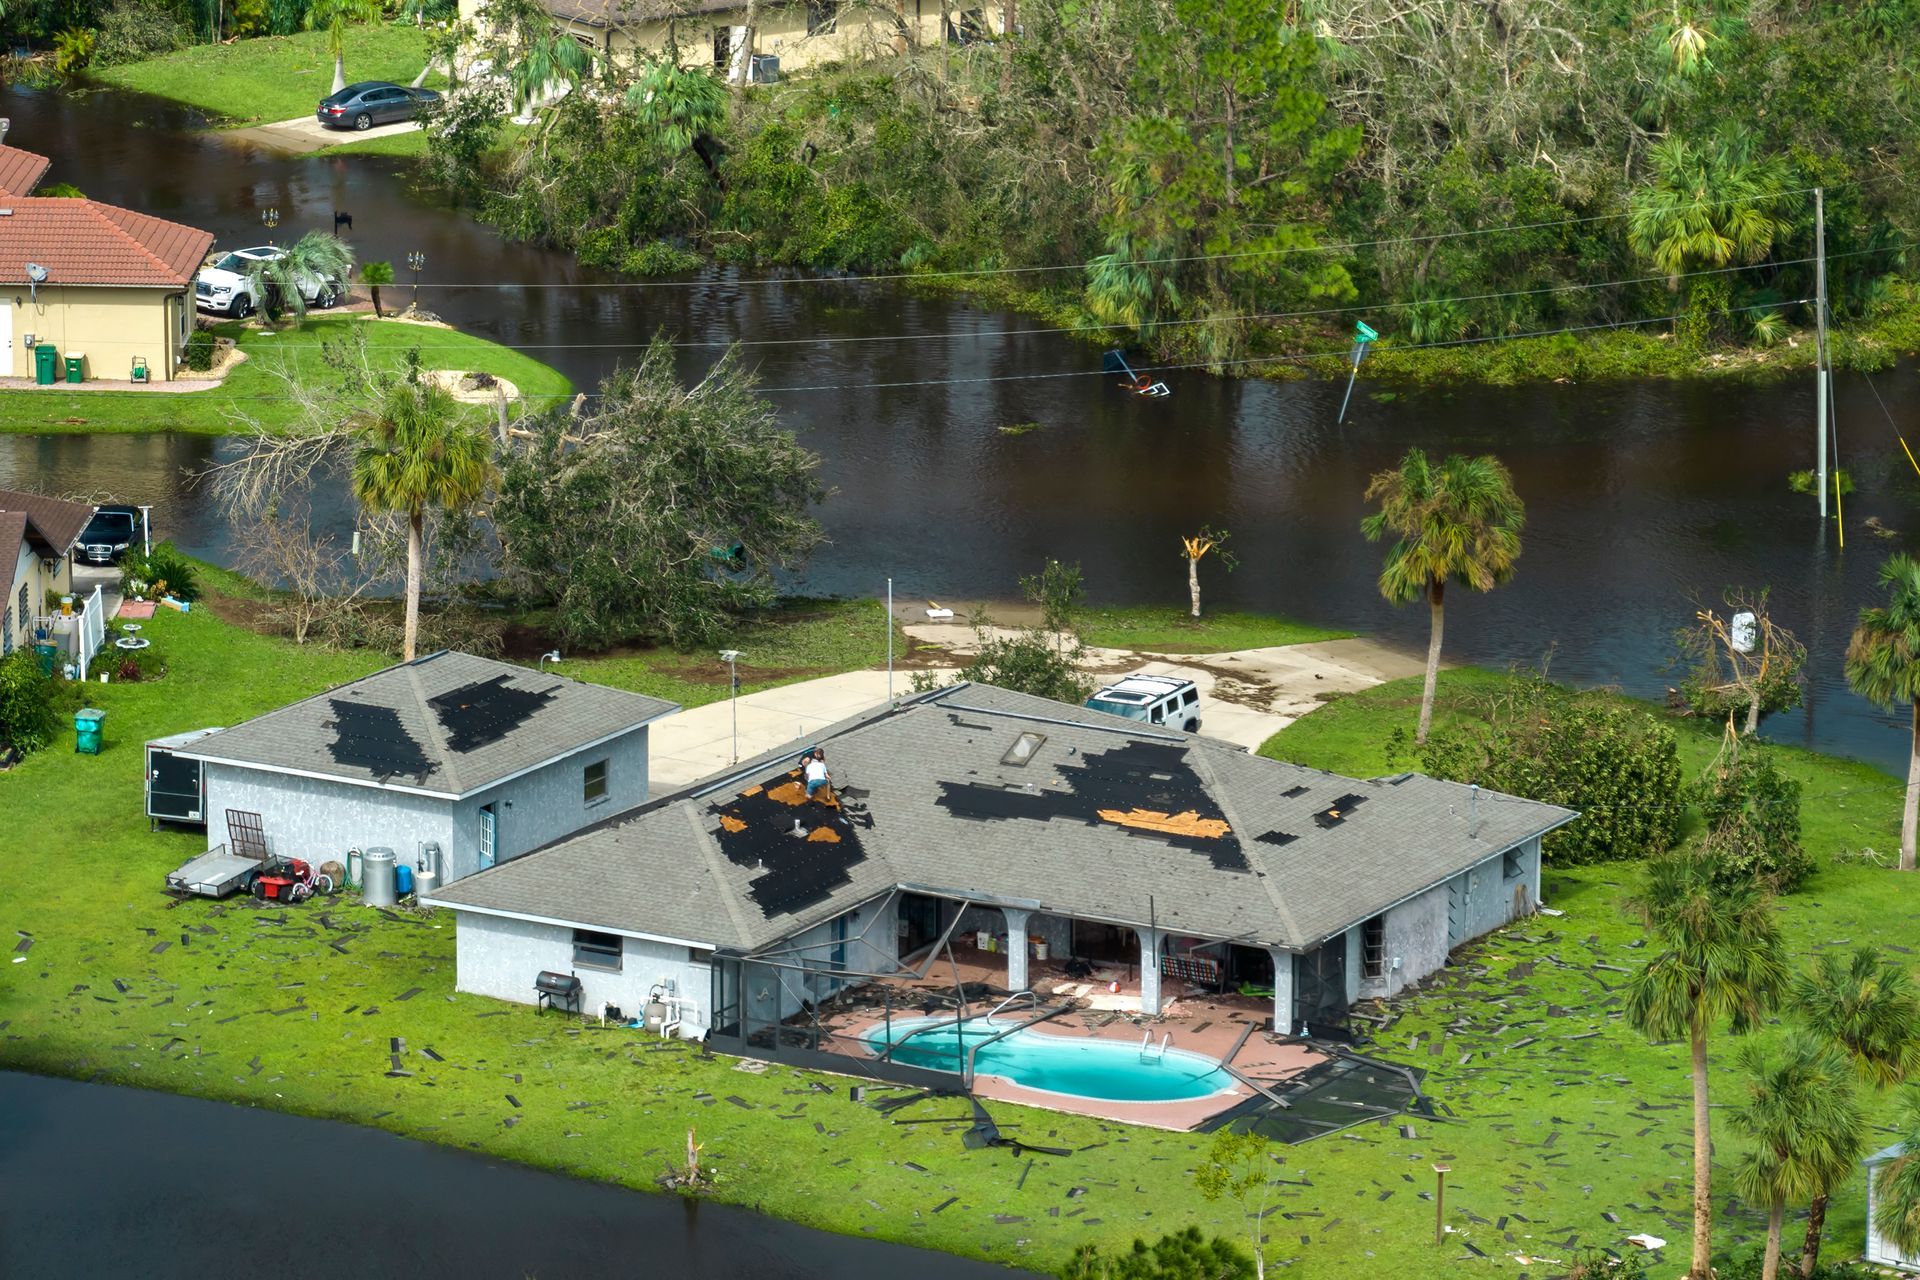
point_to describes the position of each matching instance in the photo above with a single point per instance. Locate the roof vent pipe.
(1473, 814)
(5, 124)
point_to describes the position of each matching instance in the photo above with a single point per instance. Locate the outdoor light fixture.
(417, 261)
(552, 655)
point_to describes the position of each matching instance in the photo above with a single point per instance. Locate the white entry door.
(6, 340)
(488, 835)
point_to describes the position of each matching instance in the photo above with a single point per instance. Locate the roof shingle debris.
(1082, 825)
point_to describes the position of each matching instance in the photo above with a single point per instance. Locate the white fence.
(91, 633)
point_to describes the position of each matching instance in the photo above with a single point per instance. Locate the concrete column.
(1016, 947)
(1282, 991)
(1150, 940)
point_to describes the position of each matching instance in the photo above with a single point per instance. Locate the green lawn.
(1554, 1113)
(271, 78)
(1174, 631)
(804, 640)
(255, 390)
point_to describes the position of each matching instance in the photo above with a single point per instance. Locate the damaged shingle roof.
(445, 724)
(1102, 816)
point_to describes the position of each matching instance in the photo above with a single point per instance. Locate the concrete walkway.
(1246, 697)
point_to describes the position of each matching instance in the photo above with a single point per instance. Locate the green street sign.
(1363, 331)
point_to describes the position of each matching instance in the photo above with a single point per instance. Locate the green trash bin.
(86, 730)
(46, 365)
(76, 367)
(48, 655)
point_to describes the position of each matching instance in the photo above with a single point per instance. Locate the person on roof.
(815, 771)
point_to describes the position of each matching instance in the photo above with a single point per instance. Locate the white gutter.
(567, 924)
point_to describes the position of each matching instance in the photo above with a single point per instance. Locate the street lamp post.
(270, 218)
(731, 657)
(416, 260)
(1440, 1172)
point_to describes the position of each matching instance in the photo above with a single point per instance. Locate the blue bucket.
(402, 879)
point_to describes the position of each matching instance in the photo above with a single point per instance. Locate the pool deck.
(1202, 1023)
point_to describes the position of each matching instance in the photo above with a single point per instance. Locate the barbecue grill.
(560, 990)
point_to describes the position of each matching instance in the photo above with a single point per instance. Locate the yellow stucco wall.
(109, 326)
(31, 571)
(856, 33)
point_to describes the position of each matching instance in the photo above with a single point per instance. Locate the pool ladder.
(1147, 1051)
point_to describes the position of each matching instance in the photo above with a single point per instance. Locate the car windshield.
(109, 524)
(232, 262)
(1131, 710)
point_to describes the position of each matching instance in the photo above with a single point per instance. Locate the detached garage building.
(481, 760)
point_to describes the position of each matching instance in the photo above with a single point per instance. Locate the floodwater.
(100, 1181)
(1643, 498)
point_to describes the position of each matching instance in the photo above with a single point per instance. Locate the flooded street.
(1642, 498)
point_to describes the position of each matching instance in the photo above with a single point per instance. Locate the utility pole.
(1821, 374)
(730, 657)
(889, 639)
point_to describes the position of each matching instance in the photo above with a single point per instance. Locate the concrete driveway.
(305, 134)
(1246, 697)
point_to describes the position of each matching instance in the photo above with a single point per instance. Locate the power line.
(1234, 317)
(982, 272)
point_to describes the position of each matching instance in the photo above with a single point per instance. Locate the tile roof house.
(37, 536)
(1017, 816)
(118, 284)
(480, 759)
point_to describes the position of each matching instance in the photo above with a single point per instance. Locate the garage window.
(596, 950)
(593, 782)
(1512, 866)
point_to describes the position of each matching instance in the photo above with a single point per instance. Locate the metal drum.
(376, 878)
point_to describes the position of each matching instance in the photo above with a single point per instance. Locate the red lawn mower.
(284, 880)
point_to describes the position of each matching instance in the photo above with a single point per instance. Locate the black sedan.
(372, 102)
(108, 535)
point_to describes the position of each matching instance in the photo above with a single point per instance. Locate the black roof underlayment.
(485, 711)
(372, 738)
(802, 848)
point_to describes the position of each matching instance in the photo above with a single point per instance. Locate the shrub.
(200, 349)
(1179, 1255)
(27, 719)
(133, 32)
(163, 564)
(1752, 814)
(659, 258)
(1594, 752)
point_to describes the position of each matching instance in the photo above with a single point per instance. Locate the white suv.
(1166, 700)
(224, 288)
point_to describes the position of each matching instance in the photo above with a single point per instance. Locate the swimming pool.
(1083, 1067)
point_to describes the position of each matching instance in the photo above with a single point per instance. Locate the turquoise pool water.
(1082, 1067)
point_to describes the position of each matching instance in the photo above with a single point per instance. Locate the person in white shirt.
(815, 771)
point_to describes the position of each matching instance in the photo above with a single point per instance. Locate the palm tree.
(316, 255)
(1721, 960)
(1460, 521)
(1867, 1009)
(1806, 1126)
(1883, 666)
(1896, 1185)
(334, 17)
(1711, 206)
(374, 275)
(416, 453)
(682, 106)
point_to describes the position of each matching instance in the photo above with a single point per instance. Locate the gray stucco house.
(484, 759)
(971, 809)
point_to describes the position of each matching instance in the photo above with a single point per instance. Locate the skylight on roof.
(1022, 751)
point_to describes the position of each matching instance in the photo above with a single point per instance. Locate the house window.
(820, 15)
(699, 955)
(1512, 866)
(1373, 948)
(593, 782)
(6, 633)
(722, 48)
(596, 950)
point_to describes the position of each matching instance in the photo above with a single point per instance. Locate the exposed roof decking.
(1104, 817)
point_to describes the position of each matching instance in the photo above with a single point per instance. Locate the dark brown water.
(1641, 497)
(97, 1181)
